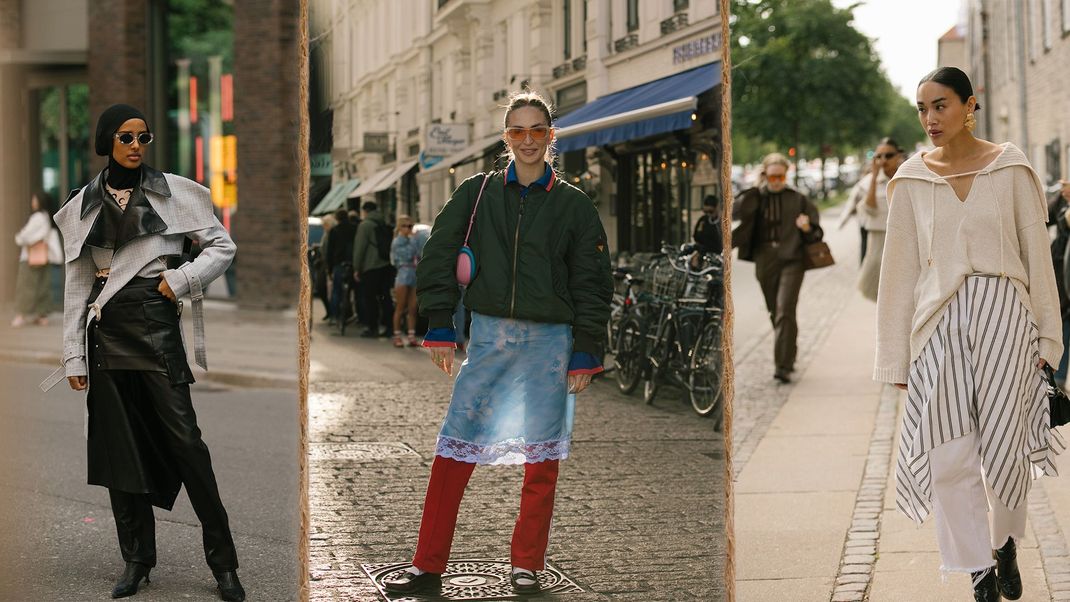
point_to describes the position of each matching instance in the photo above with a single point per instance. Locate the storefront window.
(64, 139)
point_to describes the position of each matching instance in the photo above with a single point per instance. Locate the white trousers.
(971, 521)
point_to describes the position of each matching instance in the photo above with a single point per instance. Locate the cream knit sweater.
(934, 241)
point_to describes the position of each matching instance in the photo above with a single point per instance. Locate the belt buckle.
(179, 308)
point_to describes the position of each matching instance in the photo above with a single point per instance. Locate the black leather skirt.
(138, 379)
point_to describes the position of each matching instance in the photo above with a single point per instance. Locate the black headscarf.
(110, 121)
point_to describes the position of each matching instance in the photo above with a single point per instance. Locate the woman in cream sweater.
(967, 316)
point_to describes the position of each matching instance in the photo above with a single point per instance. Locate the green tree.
(805, 78)
(198, 29)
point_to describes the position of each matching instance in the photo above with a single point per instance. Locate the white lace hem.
(510, 451)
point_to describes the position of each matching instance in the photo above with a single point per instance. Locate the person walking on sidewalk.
(338, 255)
(870, 195)
(540, 302)
(404, 255)
(1058, 203)
(776, 224)
(372, 269)
(38, 251)
(123, 343)
(967, 316)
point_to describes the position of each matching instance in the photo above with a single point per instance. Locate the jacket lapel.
(113, 227)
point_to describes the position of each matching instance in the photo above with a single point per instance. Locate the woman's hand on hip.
(803, 222)
(165, 290)
(78, 383)
(901, 386)
(443, 358)
(1042, 364)
(578, 382)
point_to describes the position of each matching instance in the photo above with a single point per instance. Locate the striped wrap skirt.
(978, 373)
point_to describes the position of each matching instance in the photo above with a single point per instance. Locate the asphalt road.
(57, 535)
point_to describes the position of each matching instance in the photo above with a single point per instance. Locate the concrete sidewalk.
(246, 348)
(815, 503)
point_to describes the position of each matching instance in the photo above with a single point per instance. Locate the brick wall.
(266, 122)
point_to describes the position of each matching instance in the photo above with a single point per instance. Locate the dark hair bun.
(953, 78)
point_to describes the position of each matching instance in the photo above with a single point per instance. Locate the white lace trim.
(510, 451)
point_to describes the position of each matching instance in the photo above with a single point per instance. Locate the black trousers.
(781, 281)
(378, 308)
(175, 423)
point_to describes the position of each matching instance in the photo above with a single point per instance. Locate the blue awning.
(656, 107)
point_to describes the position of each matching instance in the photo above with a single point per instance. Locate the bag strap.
(472, 219)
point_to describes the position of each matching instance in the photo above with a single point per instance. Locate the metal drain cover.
(361, 451)
(472, 579)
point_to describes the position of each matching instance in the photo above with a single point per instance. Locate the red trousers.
(444, 491)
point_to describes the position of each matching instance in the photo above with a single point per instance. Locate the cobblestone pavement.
(639, 512)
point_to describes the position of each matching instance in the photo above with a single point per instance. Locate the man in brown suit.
(776, 224)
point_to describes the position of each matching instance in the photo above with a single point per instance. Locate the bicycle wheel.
(706, 373)
(629, 357)
(613, 328)
(656, 359)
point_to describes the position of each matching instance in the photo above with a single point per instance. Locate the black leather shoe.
(131, 579)
(526, 587)
(230, 588)
(985, 588)
(782, 377)
(1008, 578)
(408, 583)
(369, 334)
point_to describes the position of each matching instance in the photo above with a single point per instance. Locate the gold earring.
(970, 123)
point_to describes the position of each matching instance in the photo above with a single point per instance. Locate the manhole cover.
(473, 579)
(362, 451)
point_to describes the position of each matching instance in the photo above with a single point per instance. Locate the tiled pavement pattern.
(860, 549)
(1051, 541)
(639, 504)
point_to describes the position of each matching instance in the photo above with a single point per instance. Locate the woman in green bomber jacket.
(540, 300)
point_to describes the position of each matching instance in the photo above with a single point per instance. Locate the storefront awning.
(478, 149)
(395, 174)
(656, 107)
(367, 185)
(336, 198)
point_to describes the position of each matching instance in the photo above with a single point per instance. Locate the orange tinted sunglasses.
(776, 178)
(518, 134)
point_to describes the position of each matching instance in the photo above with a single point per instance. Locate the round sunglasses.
(127, 138)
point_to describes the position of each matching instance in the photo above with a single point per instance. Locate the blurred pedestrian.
(707, 232)
(967, 317)
(404, 254)
(372, 269)
(871, 197)
(38, 249)
(776, 224)
(339, 255)
(321, 275)
(122, 335)
(1058, 215)
(539, 311)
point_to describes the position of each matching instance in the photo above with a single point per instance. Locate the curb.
(247, 379)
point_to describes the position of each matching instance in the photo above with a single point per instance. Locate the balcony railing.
(579, 63)
(673, 23)
(627, 42)
(562, 70)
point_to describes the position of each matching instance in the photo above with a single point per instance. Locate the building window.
(1047, 23)
(633, 15)
(567, 29)
(1066, 16)
(585, 26)
(679, 5)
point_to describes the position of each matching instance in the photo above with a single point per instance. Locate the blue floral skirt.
(510, 401)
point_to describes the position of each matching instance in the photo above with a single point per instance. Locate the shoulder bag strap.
(472, 219)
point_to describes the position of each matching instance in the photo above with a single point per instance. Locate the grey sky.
(905, 34)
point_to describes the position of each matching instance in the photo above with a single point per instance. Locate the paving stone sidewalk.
(639, 512)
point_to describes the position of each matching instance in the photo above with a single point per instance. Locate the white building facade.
(411, 76)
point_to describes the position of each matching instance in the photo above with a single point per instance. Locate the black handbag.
(1058, 402)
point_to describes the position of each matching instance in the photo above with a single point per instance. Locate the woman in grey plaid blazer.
(123, 345)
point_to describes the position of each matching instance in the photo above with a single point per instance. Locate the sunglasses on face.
(405, 226)
(886, 155)
(776, 177)
(518, 134)
(127, 138)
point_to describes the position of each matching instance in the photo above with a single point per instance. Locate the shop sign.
(376, 142)
(696, 48)
(321, 164)
(444, 139)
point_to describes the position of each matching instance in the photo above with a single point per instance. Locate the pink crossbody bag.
(466, 258)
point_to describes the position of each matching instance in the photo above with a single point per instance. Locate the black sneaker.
(408, 583)
(525, 582)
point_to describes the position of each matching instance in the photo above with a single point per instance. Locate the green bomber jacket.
(541, 255)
